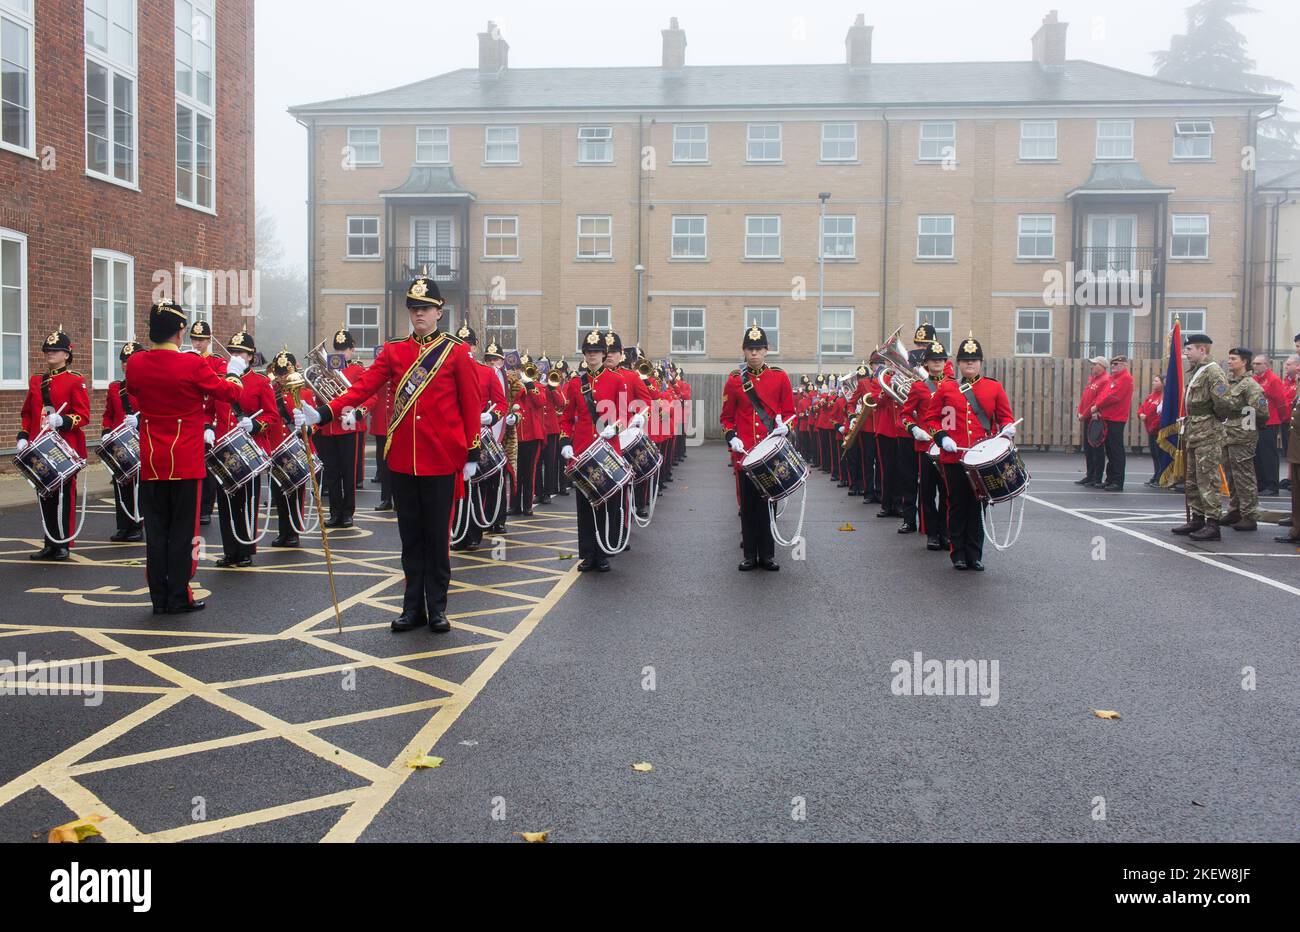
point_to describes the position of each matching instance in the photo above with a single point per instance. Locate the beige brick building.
(677, 203)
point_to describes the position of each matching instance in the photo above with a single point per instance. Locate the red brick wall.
(65, 214)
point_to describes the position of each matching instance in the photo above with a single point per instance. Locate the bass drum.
(995, 470)
(599, 473)
(775, 467)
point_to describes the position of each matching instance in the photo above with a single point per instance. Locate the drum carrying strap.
(967, 389)
(45, 390)
(285, 416)
(764, 416)
(122, 396)
(591, 402)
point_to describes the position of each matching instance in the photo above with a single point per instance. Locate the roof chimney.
(857, 44)
(1049, 43)
(493, 51)
(674, 46)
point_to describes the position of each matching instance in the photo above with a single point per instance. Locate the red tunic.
(532, 413)
(949, 414)
(67, 390)
(913, 413)
(114, 413)
(738, 417)
(381, 410)
(352, 371)
(1147, 413)
(610, 394)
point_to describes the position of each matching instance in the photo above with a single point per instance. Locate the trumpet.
(554, 379)
(645, 368)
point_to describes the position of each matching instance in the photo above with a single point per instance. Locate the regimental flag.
(1169, 465)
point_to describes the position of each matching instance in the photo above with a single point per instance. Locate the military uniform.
(234, 509)
(120, 404)
(1241, 436)
(339, 446)
(493, 392)
(202, 330)
(1207, 404)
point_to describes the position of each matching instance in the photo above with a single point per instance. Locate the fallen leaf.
(1105, 713)
(847, 527)
(75, 831)
(643, 767)
(424, 762)
(566, 556)
(534, 837)
(1195, 803)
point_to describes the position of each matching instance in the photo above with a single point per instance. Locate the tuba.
(327, 383)
(893, 356)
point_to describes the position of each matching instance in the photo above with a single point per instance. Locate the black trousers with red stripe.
(906, 470)
(933, 508)
(50, 509)
(965, 516)
(528, 452)
(338, 456)
(424, 506)
(170, 509)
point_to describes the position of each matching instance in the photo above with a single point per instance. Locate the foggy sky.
(305, 58)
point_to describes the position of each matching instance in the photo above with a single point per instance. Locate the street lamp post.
(823, 197)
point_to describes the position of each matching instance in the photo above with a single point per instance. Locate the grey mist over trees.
(282, 318)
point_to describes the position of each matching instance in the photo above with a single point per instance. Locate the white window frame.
(853, 140)
(1021, 235)
(772, 330)
(581, 331)
(114, 68)
(949, 140)
(763, 236)
(1112, 138)
(702, 329)
(356, 328)
(26, 21)
(1033, 331)
(703, 235)
(822, 330)
(762, 143)
(1194, 130)
(114, 347)
(432, 144)
(951, 234)
(191, 277)
(1038, 139)
(348, 236)
(677, 128)
(927, 315)
(608, 236)
(593, 137)
(500, 237)
(504, 145)
(20, 382)
(1173, 234)
(852, 236)
(1181, 313)
(199, 109)
(493, 331)
(354, 147)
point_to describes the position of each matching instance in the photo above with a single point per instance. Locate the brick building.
(126, 166)
(677, 203)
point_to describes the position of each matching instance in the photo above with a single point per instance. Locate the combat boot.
(1191, 527)
(1245, 524)
(1209, 532)
(1231, 518)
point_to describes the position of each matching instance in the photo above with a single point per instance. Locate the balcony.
(1123, 273)
(445, 264)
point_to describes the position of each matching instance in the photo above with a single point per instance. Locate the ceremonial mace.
(295, 383)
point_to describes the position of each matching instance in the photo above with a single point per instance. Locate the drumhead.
(987, 451)
(762, 450)
(628, 437)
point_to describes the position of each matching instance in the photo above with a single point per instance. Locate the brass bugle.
(554, 379)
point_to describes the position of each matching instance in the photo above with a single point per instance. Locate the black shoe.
(513, 511)
(205, 519)
(746, 565)
(195, 606)
(119, 536)
(384, 506)
(884, 513)
(586, 566)
(285, 541)
(873, 499)
(907, 528)
(1112, 487)
(225, 561)
(407, 622)
(1084, 481)
(58, 553)
(332, 521)
(439, 624)
(602, 566)
(344, 523)
(245, 563)
(544, 500)
(134, 537)
(1271, 493)
(769, 564)
(42, 554)
(498, 528)
(374, 481)
(643, 513)
(932, 543)
(959, 564)
(1285, 522)
(977, 566)
(1288, 539)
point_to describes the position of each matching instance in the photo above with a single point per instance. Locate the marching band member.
(380, 411)
(173, 389)
(64, 388)
(492, 390)
(532, 436)
(433, 445)
(494, 358)
(120, 405)
(889, 435)
(683, 413)
(933, 495)
(867, 439)
(282, 365)
(337, 442)
(549, 461)
(201, 343)
(233, 510)
(960, 414)
(756, 401)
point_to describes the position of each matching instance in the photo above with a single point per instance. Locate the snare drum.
(933, 453)
(289, 464)
(995, 470)
(641, 453)
(236, 460)
(48, 463)
(775, 467)
(119, 449)
(491, 456)
(599, 473)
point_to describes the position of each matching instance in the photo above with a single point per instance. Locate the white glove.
(209, 437)
(54, 421)
(470, 470)
(349, 420)
(567, 452)
(310, 413)
(737, 446)
(1008, 431)
(485, 419)
(245, 424)
(299, 419)
(775, 434)
(131, 421)
(609, 431)
(948, 444)
(781, 428)
(919, 434)
(512, 420)
(1160, 407)
(638, 421)
(236, 366)
(22, 445)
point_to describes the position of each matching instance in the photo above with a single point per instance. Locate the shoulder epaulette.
(74, 372)
(452, 337)
(735, 372)
(398, 339)
(776, 368)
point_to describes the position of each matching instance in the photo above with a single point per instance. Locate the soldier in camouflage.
(1207, 405)
(1241, 434)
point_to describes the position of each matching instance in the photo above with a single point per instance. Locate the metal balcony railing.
(444, 264)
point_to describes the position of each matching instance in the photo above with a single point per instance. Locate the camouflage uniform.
(1203, 437)
(1241, 435)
